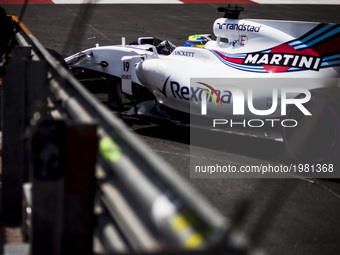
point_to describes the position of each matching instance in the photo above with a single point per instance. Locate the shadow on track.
(230, 143)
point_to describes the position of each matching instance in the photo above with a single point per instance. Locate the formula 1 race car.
(269, 78)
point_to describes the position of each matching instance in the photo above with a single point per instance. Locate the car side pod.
(316, 138)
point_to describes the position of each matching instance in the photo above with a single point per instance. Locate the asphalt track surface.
(283, 216)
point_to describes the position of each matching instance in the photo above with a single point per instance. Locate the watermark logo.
(240, 100)
(243, 105)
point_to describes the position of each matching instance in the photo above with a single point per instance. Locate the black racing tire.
(58, 57)
(316, 138)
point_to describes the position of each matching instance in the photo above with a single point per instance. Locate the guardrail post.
(13, 125)
(49, 162)
(80, 189)
(64, 158)
(35, 106)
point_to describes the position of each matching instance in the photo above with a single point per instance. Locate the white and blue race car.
(269, 78)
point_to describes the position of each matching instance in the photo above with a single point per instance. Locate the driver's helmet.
(196, 41)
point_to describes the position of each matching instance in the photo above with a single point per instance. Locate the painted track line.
(129, 2)
(302, 2)
(23, 1)
(117, 2)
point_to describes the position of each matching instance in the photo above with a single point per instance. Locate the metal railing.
(90, 175)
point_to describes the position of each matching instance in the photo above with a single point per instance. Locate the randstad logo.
(239, 100)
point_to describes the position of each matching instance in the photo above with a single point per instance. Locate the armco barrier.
(61, 135)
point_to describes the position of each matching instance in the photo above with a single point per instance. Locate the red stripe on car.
(23, 1)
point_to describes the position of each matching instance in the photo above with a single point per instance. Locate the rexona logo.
(179, 92)
(204, 99)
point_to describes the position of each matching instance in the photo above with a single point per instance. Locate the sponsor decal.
(177, 91)
(283, 58)
(242, 41)
(239, 27)
(316, 50)
(183, 53)
(280, 62)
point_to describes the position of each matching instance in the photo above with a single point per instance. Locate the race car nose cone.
(149, 74)
(140, 73)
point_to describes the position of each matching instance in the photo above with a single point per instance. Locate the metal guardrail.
(140, 204)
